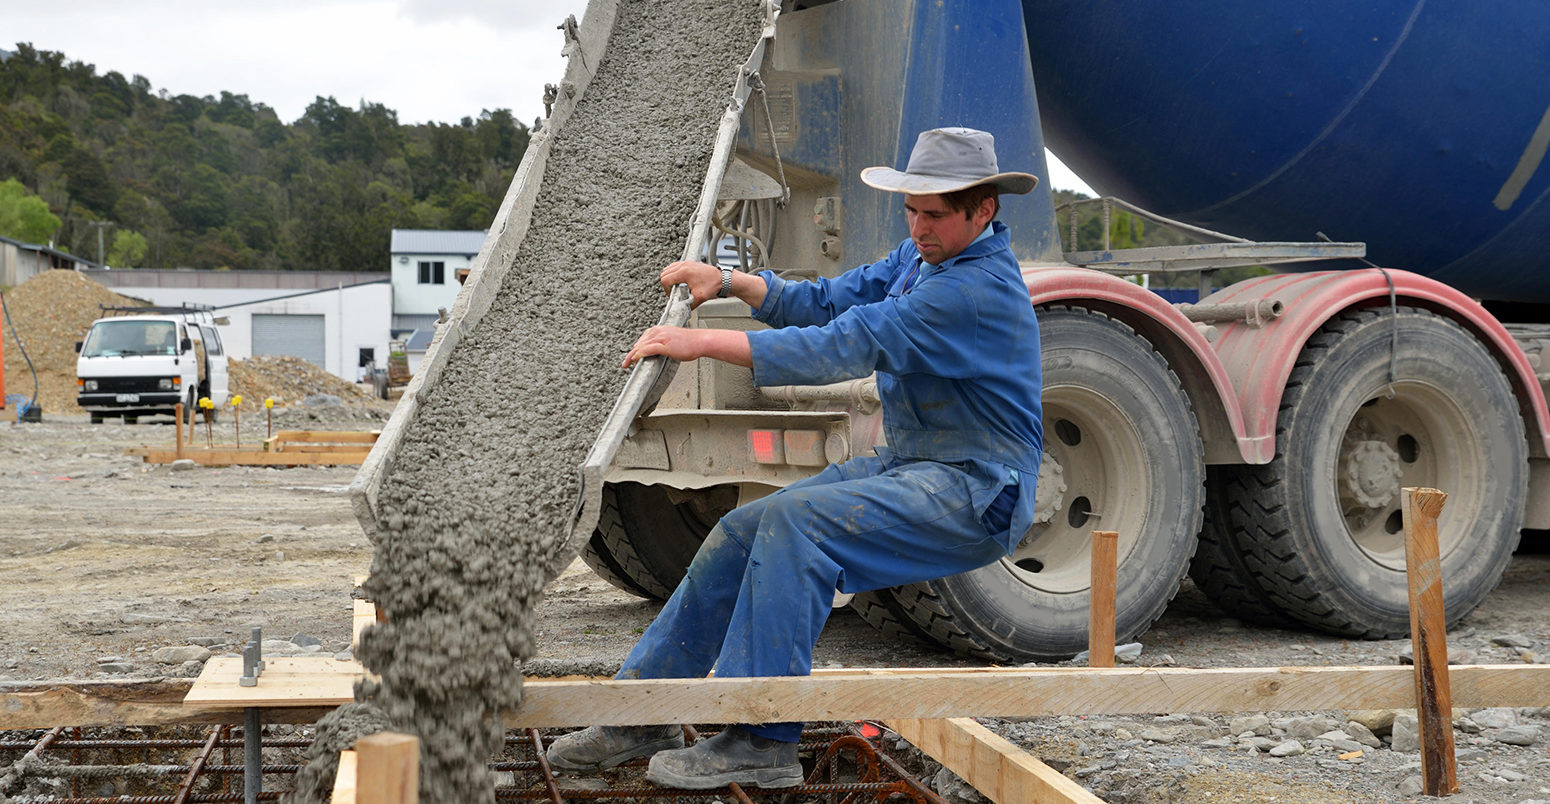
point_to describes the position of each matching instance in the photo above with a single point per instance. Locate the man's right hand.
(704, 283)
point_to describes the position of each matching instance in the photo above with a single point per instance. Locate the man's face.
(941, 233)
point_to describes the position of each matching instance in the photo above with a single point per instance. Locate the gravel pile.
(289, 380)
(51, 311)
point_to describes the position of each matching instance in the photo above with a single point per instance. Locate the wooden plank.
(1031, 693)
(344, 779)
(235, 457)
(1429, 640)
(321, 683)
(1100, 626)
(365, 614)
(328, 436)
(846, 695)
(286, 681)
(387, 769)
(999, 770)
(338, 449)
(156, 702)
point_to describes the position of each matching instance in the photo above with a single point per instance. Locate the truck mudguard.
(1259, 360)
(1189, 354)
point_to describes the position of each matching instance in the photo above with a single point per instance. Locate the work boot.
(734, 755)
(598, 747)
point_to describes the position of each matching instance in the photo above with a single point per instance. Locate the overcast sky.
(429, 60)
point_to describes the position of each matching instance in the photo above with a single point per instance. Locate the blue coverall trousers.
(759, 590)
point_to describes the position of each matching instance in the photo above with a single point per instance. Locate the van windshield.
(123, 338)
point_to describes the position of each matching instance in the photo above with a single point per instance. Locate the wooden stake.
(177, 415)
(344, 779)
(387, 769)
(1100, 627)
(1429, 641)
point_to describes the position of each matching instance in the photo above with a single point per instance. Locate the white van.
(139, 361)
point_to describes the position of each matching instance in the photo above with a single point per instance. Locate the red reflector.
(767, 446)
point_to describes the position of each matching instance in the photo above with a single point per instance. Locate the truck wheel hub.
(1370, 473)
(1051, 490)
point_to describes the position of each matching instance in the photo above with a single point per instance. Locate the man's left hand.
(680, 343)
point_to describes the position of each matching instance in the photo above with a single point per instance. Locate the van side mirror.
(188, 343)
(77, 347)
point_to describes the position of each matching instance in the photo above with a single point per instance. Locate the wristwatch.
(726, 283)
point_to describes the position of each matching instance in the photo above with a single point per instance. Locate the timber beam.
(315, 685)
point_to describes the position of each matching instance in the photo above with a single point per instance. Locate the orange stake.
(1428, 641)
(177, 415)
(1100, 628)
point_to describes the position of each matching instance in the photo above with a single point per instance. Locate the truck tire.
(1218, 568)
(644, 541)
(882, 610)
(1122, 453)
(1321, 524)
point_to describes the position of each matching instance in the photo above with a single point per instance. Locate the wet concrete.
(475, 510)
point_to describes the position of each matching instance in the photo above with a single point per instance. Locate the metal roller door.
(299, 335)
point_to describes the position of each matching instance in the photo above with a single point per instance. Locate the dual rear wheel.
(1378, 401)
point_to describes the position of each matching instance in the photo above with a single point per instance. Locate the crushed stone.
(474, 513)
(288, 380)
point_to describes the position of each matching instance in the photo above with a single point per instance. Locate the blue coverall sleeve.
(817, 302)
(933, 329)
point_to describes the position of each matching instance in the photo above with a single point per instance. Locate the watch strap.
(726, 283)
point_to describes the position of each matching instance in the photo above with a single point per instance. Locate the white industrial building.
(343, 321)
(425, 266)
(344, 329)
(339, 320)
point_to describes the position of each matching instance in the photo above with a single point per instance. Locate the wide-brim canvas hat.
(947, 160)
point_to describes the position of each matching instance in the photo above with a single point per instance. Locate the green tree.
(128, 249)
(24, 216)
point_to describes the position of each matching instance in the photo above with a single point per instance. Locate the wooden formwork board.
(249, 457)
(908, 694)
(999, 770)
(367, 437)
(284, 448)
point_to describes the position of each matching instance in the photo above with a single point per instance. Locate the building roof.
(419, 340)
(302, 293)
(50, 250)
(246, 279)
(436, 241)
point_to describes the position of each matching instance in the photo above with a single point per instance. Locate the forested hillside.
(224, 183)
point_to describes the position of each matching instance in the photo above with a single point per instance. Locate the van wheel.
(96, 418)
(131, 419)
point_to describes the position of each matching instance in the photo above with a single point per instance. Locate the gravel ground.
(105, 561)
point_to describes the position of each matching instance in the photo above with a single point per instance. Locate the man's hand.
(680, 343)
(704, 283)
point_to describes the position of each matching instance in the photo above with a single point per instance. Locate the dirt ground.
(104, 559)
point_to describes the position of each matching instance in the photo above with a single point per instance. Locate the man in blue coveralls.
(945, 322)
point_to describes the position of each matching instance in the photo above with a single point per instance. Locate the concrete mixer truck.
(1255, 440)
